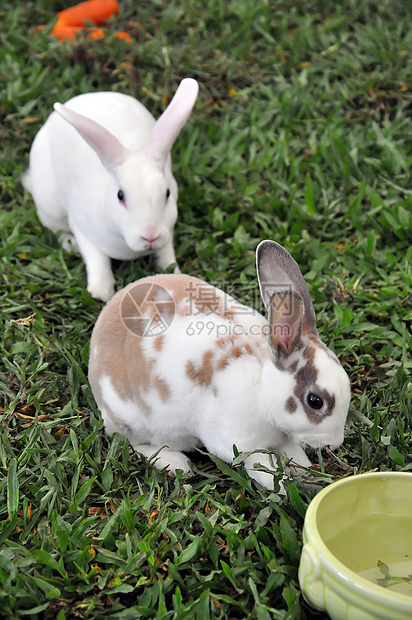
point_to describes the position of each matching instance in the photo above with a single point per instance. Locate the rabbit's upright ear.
(169, 124)
(110, 151)
(284, 292)
(285, 315)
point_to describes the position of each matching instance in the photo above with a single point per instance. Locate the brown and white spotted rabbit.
(176, 362)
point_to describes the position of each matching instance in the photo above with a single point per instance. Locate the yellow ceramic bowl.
(358, 532)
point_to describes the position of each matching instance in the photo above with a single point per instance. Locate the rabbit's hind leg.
(164, 458)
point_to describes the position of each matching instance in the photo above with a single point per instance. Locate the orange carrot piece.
(62, 32)
(95, 33)
(72, 20)
(96, 11)
(125, 36)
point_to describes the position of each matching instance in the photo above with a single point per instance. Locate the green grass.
(301, 133)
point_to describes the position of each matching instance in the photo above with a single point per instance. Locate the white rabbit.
(100, 172)
(176, 362)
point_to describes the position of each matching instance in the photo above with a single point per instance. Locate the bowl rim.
(342, 573)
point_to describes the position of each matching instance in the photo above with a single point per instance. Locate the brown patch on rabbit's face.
(307, 374)
(305, 384)
(309, 350)
(291, 405)
(284, 363)
(330, 401)
(292, 367)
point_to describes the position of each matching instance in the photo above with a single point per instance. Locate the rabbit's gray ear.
(110, 151)
(169, 124)
(278, 272)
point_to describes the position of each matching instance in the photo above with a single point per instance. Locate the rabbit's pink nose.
(149, 234)
(150, 238)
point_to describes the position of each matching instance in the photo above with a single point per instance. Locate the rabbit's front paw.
(101, 288)
(69, 243)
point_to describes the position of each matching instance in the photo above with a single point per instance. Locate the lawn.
(302, 134)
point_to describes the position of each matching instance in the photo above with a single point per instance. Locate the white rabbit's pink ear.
(169, 124)
(110, 151)
(286, 312)
(277, 271)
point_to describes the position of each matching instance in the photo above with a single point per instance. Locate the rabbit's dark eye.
(120, 195)
(314, 401)
(167, 193)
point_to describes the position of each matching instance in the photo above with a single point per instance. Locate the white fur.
(242, 402)
(126, 409)
(79, 162)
